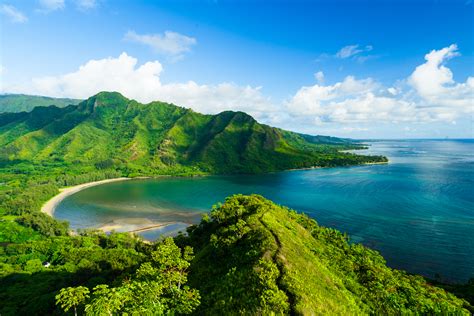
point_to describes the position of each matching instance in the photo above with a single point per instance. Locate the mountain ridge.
(14, 103)
(162, 136)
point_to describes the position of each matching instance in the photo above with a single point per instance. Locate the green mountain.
(109, 130)
(253, 257)
(15, 103)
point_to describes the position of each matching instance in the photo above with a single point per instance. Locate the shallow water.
(418, 210)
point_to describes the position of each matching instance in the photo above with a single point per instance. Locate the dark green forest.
(247, 256)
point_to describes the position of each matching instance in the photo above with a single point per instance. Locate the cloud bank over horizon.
(428, 95)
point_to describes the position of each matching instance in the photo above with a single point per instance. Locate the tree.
(158, 287)
(107, 301)
(72, 297)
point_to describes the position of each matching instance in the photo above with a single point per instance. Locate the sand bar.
(49, 206)
(132, 225)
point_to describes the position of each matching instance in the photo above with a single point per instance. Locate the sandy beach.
(49, 206)
(132, 225)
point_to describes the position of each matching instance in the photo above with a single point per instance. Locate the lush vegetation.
(24, 103)
(248, 256)
(263, 258)
(108, 131)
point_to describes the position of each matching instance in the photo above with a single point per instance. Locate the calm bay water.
(418, 210)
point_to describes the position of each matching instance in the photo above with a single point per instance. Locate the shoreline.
(318, 167)
(49, 206)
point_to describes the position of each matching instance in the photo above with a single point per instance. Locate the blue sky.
(344, 68)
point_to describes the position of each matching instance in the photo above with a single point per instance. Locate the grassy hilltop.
(255, 257)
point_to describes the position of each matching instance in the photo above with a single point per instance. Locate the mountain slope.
(255, 257)
(15, 103)
(110, 130)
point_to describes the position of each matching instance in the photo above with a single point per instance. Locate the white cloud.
(352, 50)
(143, 83)
(13, 13)
(86, 4)
(348, 101)
(432, 95)
(319, 76)
(434, 82)
(51, 5)
(355, 129)
(429, 96)
(170, 43)
(393, 91)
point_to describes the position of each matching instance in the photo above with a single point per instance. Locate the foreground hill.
(254, 257)
(109, 130)
(248, 257)
(24, 103)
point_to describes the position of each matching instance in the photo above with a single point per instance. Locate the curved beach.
(50, 206)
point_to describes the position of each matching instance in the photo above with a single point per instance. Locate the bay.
(418, 210)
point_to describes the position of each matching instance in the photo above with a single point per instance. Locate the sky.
(359, 69)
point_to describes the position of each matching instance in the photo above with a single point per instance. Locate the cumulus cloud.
(12, 13)
(51, 5)
(143, 83)
(170, 43)
(431, 95)
(351, 100)
(434, 82)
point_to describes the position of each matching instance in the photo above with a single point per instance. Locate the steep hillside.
(15, 103)
(254, 257)
(108, 130)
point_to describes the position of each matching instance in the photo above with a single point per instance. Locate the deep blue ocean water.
(418, 210)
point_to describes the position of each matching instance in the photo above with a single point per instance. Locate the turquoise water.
(418, 210)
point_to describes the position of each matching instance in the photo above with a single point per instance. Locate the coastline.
(318, 167)
(50, 205)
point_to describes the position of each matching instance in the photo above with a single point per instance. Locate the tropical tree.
(157, 288)
(72, 297)
(106, 301)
